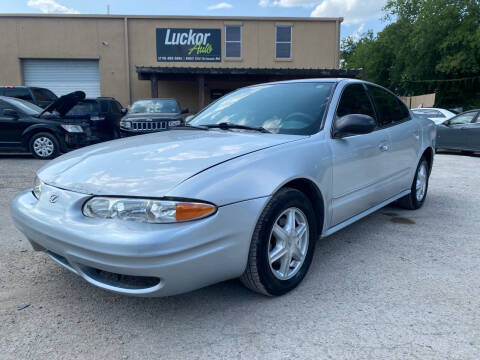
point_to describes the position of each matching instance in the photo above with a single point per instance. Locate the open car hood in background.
(65, 103)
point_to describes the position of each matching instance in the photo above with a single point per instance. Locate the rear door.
(359, 162)
(472, 134)
(404, 134)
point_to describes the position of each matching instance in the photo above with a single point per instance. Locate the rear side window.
(19, 93)
(44, 95)
(104, 106)
(390, 109)
(116, 107)
(85, 108)
(355, 100)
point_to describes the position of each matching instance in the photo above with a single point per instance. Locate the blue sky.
(359, 15)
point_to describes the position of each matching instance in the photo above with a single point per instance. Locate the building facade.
(192, 59)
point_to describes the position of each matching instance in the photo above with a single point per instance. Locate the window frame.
(284, 42)
(377, 112)
(372, 104)
(473, 121)
(233, 41)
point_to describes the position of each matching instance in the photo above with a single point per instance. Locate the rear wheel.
(282, 244)
(44, 146)
(418, 193)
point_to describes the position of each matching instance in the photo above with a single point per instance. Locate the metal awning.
(183, 73)
(258, 75)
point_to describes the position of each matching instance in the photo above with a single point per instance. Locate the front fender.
(261, 173)
(39, 128)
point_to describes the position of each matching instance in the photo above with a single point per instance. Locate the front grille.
(149, 125)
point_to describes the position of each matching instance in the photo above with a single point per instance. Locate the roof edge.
(169, 17)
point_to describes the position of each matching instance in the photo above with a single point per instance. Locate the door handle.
(383, 147)
(417, 137)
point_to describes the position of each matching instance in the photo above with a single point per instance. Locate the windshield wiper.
(226, 126)
(188, 127)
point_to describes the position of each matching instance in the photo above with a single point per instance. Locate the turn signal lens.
(146, 210)
(190, 211)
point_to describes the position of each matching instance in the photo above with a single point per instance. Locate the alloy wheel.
(288, 243)
(43, 146)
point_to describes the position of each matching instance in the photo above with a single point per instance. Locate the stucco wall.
(315, 45)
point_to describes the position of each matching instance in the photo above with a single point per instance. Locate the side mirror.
(10, 113)
(354, 124)
(446, 123)
(124, 111)
(189, 118)
(184, 111)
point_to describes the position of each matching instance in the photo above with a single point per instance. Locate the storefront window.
(233, 41)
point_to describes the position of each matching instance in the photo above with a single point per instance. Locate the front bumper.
(137, 258)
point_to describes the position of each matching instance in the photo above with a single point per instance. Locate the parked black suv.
(26, 127)
(151, 115)
(36, 95)
(103, 115)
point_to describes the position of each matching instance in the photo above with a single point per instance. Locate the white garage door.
(63, 76)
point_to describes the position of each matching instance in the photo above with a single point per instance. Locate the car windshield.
(154, 106)
(288, 108)
(85, 108)
(25, 106)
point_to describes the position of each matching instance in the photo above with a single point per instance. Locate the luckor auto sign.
(174, 44)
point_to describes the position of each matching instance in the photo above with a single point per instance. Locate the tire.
(277, 277)
(44, 146)
(412, 201)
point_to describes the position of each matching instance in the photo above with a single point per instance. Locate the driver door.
(9, 128)
(360, 162)
(454, 135)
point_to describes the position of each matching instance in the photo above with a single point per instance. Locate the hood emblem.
(53, 198)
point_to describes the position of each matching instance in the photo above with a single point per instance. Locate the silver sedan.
(243, 191)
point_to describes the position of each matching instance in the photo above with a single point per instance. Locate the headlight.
(126, 124)
(146, 210)
(73, 128)
(37, 187)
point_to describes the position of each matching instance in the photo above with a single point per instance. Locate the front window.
(283, 43)
(233, 41)
(288, 108)
(462, 119)
(391, 110)
(25, 106)
(150, 106)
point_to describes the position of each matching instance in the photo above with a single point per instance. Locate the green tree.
(429, 45)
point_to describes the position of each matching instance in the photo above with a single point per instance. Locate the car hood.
(64, 103)
(151, 165)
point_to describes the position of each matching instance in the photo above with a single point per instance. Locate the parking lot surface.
(396, 285)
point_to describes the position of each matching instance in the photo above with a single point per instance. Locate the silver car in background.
(243, 191)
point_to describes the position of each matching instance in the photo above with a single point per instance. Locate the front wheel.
(418, 193)
(44, 146)
(282, 245)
